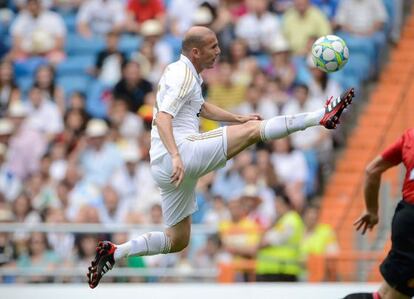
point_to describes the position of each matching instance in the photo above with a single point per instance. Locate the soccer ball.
(330, 53)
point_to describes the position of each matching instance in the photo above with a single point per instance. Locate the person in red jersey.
(398, 267)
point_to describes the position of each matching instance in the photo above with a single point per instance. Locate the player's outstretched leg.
(242, 136)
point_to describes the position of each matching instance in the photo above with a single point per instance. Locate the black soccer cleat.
(335, 107)
(103, 262)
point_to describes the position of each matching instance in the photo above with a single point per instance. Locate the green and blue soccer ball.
(330, 53)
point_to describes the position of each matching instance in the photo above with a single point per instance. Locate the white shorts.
(201, 154)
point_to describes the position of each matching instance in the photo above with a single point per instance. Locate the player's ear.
(196, 52)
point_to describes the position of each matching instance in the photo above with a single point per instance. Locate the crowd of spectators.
(72, 155)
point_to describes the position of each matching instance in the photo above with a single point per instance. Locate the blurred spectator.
(75, 124)
(243, 65)
(85, 249)
(211, 254)
(155, 53)
(228, 180)
(61, 243)
(128, 124)
(223, 91)
(45, 80)
(258, 27)
(112, 209)
(278, 256)
(361, 17)
(240, 235)
(281, 6)
(132, 86)
(285, 158)
(97, 157)
(38, 31)
(109, 61)
(134, 183)
(9, 92)
(319, 238)
(256, 103)
(98, 17)
(180, 14)
(316, 143)
(43, 114)
(7, 250)
(77, 101)
(266, 172)
(302, 21)
(281, 66)
(40, 257)
(10, 185)
(27, 145)
(257, 198)
(218, 211)
(139, 11)
(321, 86)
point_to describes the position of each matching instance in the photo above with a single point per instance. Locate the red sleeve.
(159, 7)
(130, 6)
(393, 153)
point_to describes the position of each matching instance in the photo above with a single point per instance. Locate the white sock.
(147, 244)
(281, 126)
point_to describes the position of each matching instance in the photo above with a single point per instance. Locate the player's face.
(210, 51)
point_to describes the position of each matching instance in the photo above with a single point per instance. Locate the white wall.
(185, 291)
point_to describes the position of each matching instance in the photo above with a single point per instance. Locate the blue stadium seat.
(24, 83)
(129, 44)
(70, 22)
(73, 83)
(358, 66)
(97, 99)
(78, 45)
(263, 60)
(75, 65)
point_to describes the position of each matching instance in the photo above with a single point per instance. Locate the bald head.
(195, 38)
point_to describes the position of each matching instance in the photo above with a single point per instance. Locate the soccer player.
(180, 155)
(398, 267)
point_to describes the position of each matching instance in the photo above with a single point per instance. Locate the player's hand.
(366, 221)
(245, 118)
(177, 175)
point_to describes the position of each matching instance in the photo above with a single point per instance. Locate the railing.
(210, 273)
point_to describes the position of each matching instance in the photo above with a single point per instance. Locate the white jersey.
(179, 94)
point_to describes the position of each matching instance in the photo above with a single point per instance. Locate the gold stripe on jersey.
(207, 135)
(184, 88)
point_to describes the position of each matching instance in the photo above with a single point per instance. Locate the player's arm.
(163, 121)
(213, 112)
(372, 184)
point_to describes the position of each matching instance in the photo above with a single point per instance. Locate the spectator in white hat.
(98, 158)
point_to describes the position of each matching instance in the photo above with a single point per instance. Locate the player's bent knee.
(252, 130)
(179, 244)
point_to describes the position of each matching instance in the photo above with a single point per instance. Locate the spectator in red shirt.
(398, 267)
(139, 11)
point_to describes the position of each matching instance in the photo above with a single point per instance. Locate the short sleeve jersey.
(179, 94)
(403, 151)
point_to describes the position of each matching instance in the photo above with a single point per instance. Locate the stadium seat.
(98, 99)
(129, 44)
(24, 83)
(70, 22)
(73, 83)
(75, 65)
(78, 45)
